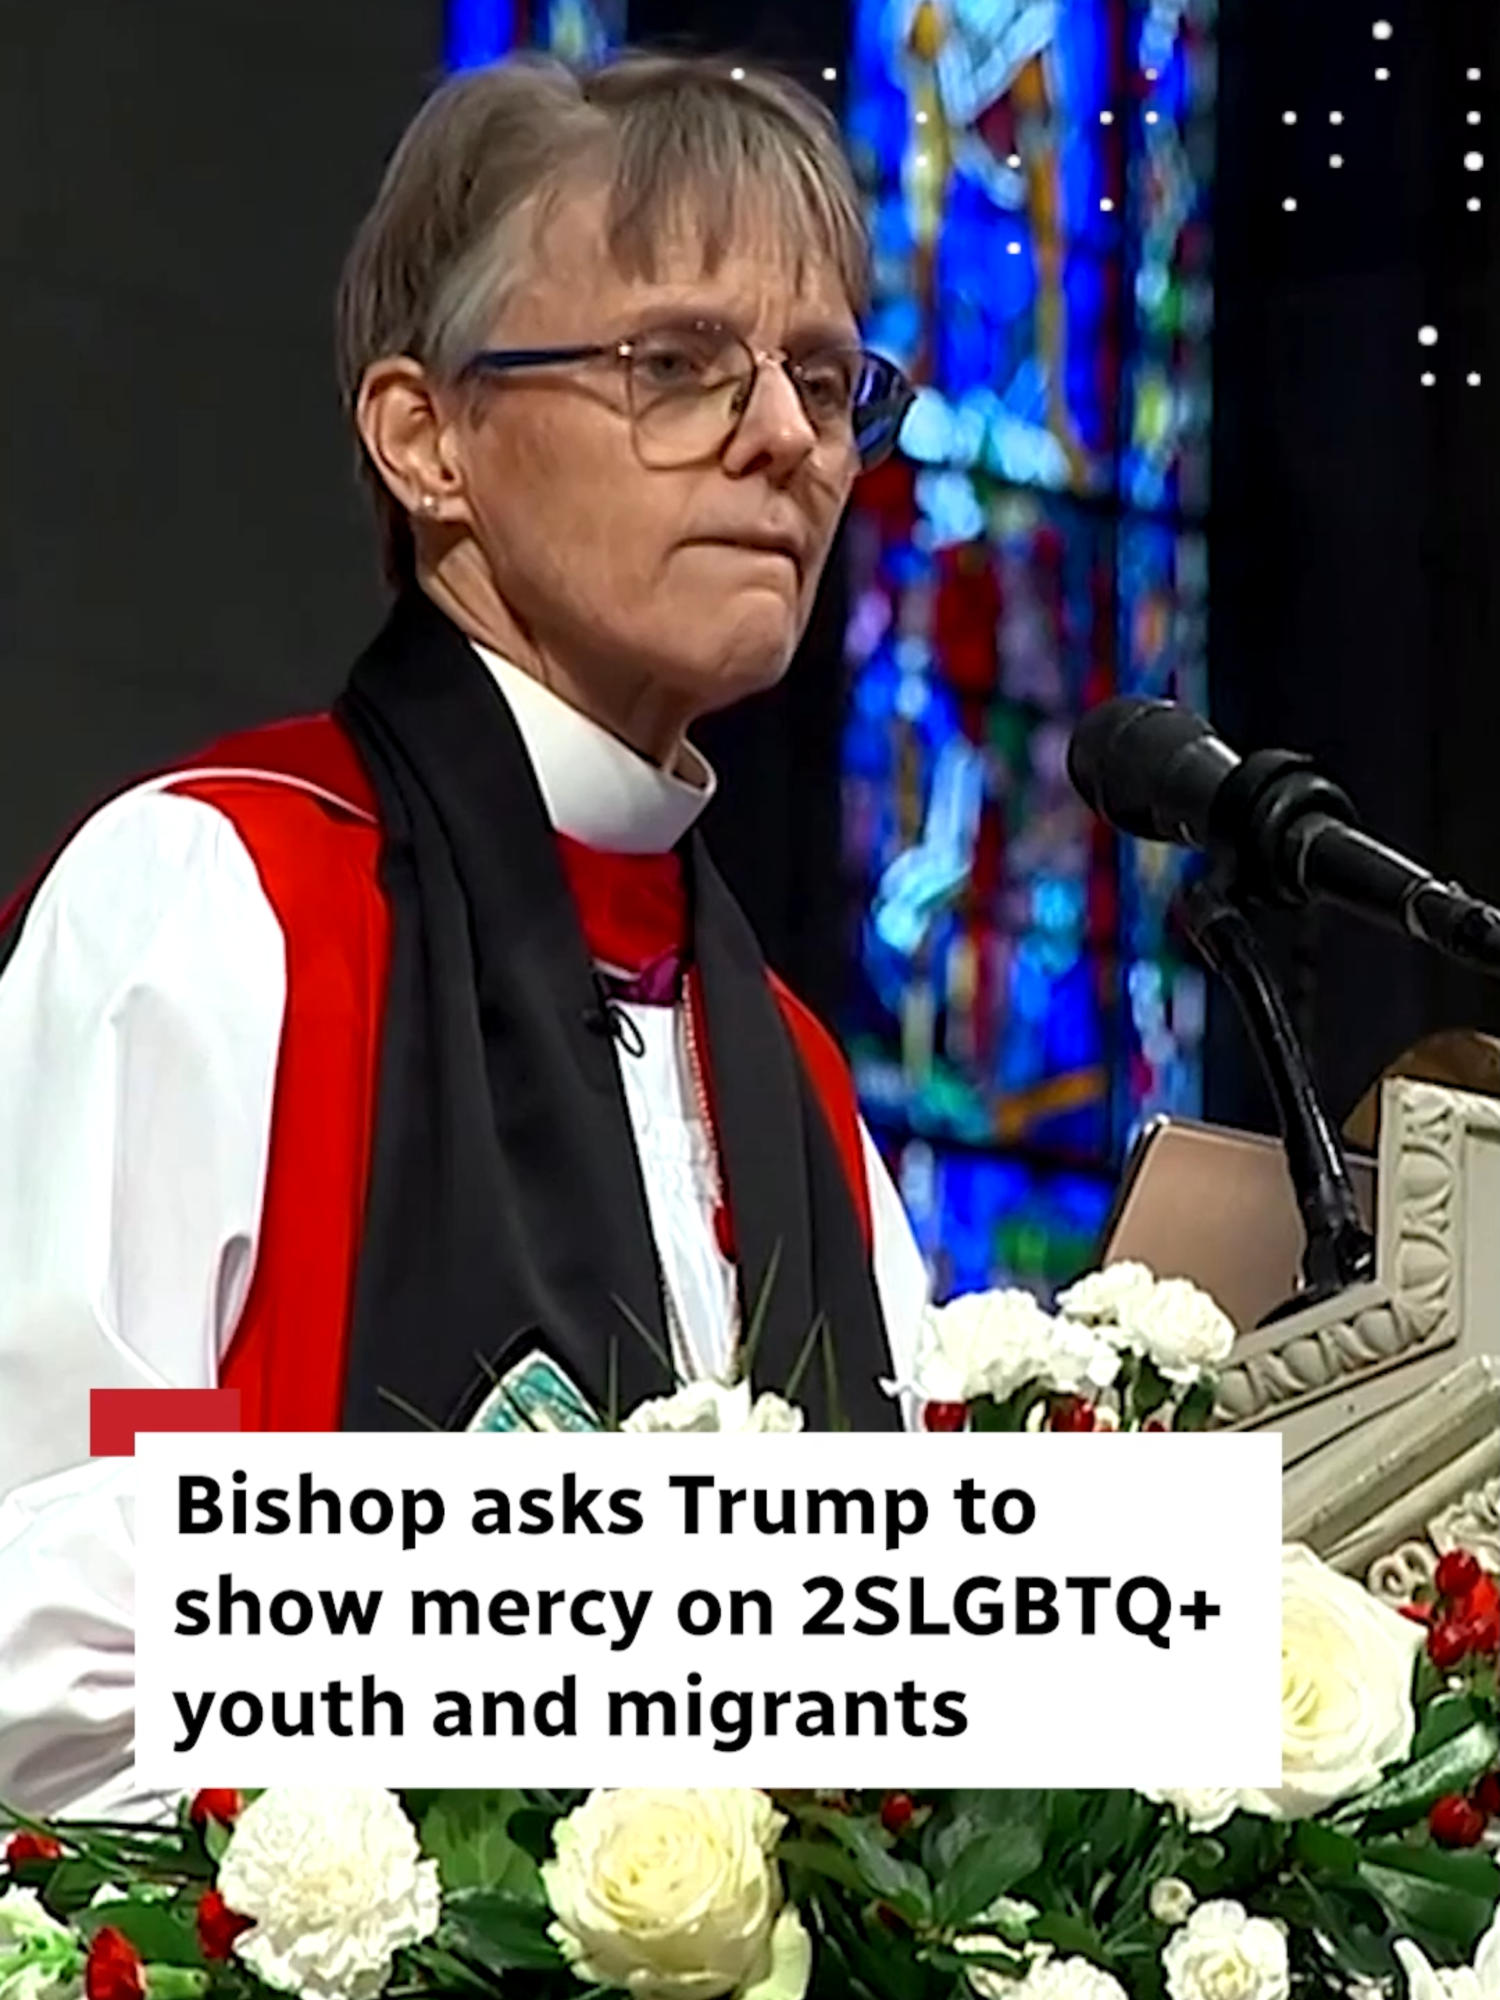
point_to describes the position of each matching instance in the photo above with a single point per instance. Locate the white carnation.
(1479, 1981)
(40, 1958)
(1062, 1979)
(1081, 1360)
(1178, 1328)
(675, 1895)
(335, 1884)
(1347, 1663)
(1204, 1808)
(714, 1406)
(1221, 1953)
(1100, 1296)
(983, 1344)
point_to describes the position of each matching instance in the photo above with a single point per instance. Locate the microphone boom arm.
(1339, 1251)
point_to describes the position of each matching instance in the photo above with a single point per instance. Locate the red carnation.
(1447, 1644)
(1457, 1573)
(218, 1925)
(944, 1416)
(31, 1847)
(1072, 1413)
(113, 1969)
(896, 1812)
(224, 1806)
(1456, 1822)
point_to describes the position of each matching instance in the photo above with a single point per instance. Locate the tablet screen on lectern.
(1202, 1202)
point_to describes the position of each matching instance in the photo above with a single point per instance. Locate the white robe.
(140, 1026)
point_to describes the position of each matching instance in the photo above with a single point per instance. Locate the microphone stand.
(1339, 1250)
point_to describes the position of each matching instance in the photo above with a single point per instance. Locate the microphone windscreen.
(1117, 755)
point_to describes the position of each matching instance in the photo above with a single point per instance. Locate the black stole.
(506, 1205)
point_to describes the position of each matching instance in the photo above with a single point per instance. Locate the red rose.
(944, 1416)
(1072, 1413)
(31, 1847)
(113, 1969)
(224, 1806)
(218, 1925)
(1447, 1644)
(896, 1812)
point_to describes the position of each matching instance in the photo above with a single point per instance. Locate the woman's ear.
(404, 428)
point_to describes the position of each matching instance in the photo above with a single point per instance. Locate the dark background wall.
(1356, 526)
(181, 546)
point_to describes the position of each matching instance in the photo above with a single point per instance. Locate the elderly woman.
(380, 1057)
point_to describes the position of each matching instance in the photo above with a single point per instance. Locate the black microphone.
(1156, 771)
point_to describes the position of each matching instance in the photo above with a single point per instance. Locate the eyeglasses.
(690, 384)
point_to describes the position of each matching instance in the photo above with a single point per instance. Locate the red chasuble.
(316, 845)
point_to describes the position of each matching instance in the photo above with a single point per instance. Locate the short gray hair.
(492, 148)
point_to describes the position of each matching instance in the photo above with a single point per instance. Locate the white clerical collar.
(597, 790)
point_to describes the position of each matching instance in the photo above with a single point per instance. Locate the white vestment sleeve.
(900, 1273)
(140, 1024)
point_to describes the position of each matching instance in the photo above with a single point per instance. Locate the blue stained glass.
(1037, 176)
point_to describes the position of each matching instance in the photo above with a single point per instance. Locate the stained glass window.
(479, 31)
(1038, 178)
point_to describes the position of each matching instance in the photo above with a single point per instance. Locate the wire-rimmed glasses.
(689, 384)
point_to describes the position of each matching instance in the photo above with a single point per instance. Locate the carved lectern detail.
(1427, 1131)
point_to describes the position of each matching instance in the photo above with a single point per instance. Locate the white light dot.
(1474, 162)
(1335, 159)
(1474, 75)
(738, 75)
(1107, 205)
(1290, 204)
(1474, 204)
(1014, 160)
(921, 159)
(830, 75)
(1383, 31)
(1153, 118)
(1429, 380)
(1152, 75)
(1106, 118)
(1288, 117)
(1474, 379)
(921, 117)
(1382, 76)
(1335, 117)
(1014, 249)
(1428, 335)
(1474, 118)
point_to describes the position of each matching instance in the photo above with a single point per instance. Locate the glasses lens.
(881, 402)
(688, 385)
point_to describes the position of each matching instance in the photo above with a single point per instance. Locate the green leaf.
(1326, 1850)
(531, 1830)
(502, 1933)
(1446, 1718)
(902, 1884)
(1408, 1793)
(1198, 1404)
(1444, 1901)
(821, 1857)
(161, 1932)
(1149, 1391)
(466, 1834)
(989, 1860)
(1069, 1934)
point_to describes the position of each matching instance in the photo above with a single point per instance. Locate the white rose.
(983, 1344)
(1222, 1954)
(714, 1406)
(1178, 1328)
(1346, 1689)
(1100, 1295)
(675, 1896)
(335, 1883)
(1171, 1900)
(1479, 1981)
(1205, 1808)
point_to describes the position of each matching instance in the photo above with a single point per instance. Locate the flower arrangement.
(1123, 1351)
(1366, 1872)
